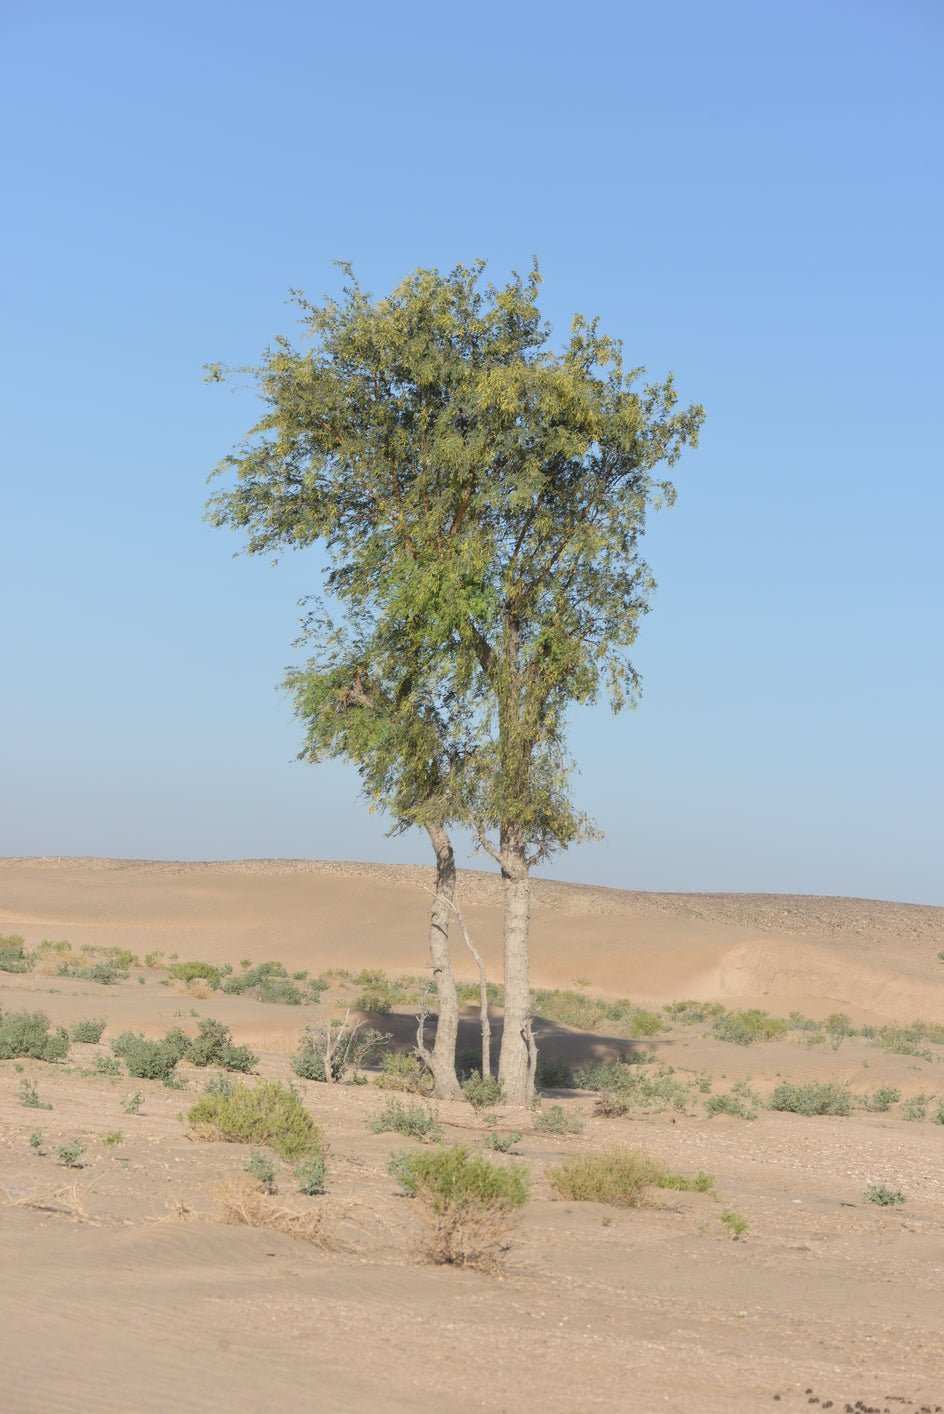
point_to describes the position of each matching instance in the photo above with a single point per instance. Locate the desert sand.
(123, 1291)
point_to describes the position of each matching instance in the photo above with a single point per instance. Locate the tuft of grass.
(813, 1099)
(915, 1108)
(89, 1030)
(556, 1120)
(414, 1120)
(36, 1141)
(268, 1113)
(736, 1224)
(468, 1205)
(884, 1196)
(483, 1091)
(619, 1177)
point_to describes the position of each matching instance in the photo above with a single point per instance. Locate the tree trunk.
(442, 1059)
(518, 1051)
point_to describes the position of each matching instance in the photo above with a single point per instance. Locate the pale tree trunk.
(518, 1050)
(442, 1059)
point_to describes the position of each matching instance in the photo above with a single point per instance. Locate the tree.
(483, 498)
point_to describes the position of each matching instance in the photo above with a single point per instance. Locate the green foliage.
(268, 1113)
(89, 1030)
(149, 1060)
(404, 1071)
(915, 1107)
(554, 1075)
(191, 971)
(113, 1138)
(881, 1099)
(270, 982)
(743, 1028)
(501, 1143)
(736, 1224)
(29, 1096)
(36, 1141)
(106, 973)
(311, 1175)
(816, 1098)
(379, 994)
(449, 1177)
(594, 1013)
(28, 1034)
(131, 1104)
(213, 1045)
(728, 1105)
(884, 1196)
(261, 1168)
(628, 1087)
(71, 1154)
(938, 1115)
(483, 1091)
(619, 1177)
(13, 954)
(413, 1120)
(468, 994)
(556, 1120)
(693, 1013)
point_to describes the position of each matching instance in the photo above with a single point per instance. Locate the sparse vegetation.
(482, 1091)
(556, 1120)
(261, 1168)
(554, 1075)
(336, 1049)
(29, 1097)
(311, 1175)
(633, 1086)
(501, 1143)
(467, 1204)
(70, 1154)
(192, 971)
(29, 1034)
(401, 1070)
(884, 1196)
(416, 1121)
(826, 1098)
(881, 1099)
(619, 1177)
(113, 1138)
(736, 1224)
(729, 1105)
(743, 1028)
(268, 1113)
(131, 1104)
(13, 954)
(88, 1031)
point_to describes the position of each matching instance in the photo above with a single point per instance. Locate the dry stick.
(483, 987)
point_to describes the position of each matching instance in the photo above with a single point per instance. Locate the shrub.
(132, 1103)
(311, 1175)
(107, 1065)
(378, 994)
(637, 1087)
(149, 1060)
(13, 954)
(554, 1075)
(468, 1204)
(281, 991)
(29, 1097)
(881, 1099)
(938, 1115)
(468, 994)
(728, 1105)
(694, 1013)
(89, 1030)
(270, 982)
(743, 1028)
(104, 972)
(268, 1113)
(27, 1033)
(882, 1195)
(903, 1040)
(414, 1120)
(70, 1154)
(570, 1008)
(915, 1108)
(352, 1045)
(483, 1091)
(813, 1099)
(262, 1169)
(213, 1044)
(402, 1070)
(619, 1177)
(501, 1143)
(191, 971)
(112, 1138)
(556, 1120)
(735, 1223)
(644, 1023)
(36, 1141)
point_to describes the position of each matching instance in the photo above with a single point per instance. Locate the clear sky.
(747, 193)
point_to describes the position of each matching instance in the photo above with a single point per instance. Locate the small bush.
(148, 1060)
(556, 1120)
(262, 1169)
(468, 994)
(13, 954)
(644, 1023)
(728, 1105)
(468, 1204)
(268, 1113)
(938, 1115)
(736, 1224)
(132, 1103)
(812, 1099)
(29, 1097)
(640, 1089)
(882, 1195)
(501, 1143)
(743, 1028)
(881, 1099)
(413, 1120)
(483, 1091)
(105, 973)
(311, 1175)
(192, 971)
(619, 1177)
(27, 1033)
(213, 1044)
(915, 1108)
(112, 1138)
(89, 1031)
(554, 1075)
(106, 1065)
(404, 1071)
(36, 1141)
(352, 1046)
(70, 1154)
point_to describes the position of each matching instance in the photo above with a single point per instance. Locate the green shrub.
(743, 1028)
(881, 1099)
(149, 1060)
(882, 1195)
(619, 1177)
(36, 1141)
(556, 1120)
(403, 1070)
(311, 1175)
(915, 1108)
(29, 1097)
(281, 991)
(262, 1169)
(735, 1223)
(13, 954)
(483, 1091)
(938, 1115)
(27, 1033)
(468, 994)
(501, 1143)
(728, 1105)
(132, 1103)
(107, 1065)
(569, 1008)
(414, 1120)
(467, 1203)
(694, 1013)
(103, 972)
(70, 1154)
(644, 1023)
(268, 1113)
(213, 1045)
(270, 982)
(554, 1075)
(89, 1030)
(813, 1099)
(902, 1041)
(639, 1089)
(192, 971)
(112, 1138)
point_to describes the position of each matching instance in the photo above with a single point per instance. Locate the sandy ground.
(122, 1291)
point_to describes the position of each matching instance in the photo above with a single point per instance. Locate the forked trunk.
(518, 1051)
(442, 1058)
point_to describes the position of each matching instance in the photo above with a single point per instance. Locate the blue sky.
(749, 194)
